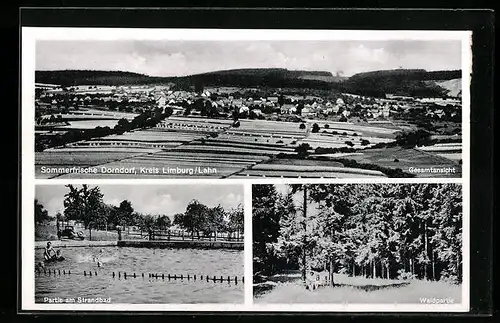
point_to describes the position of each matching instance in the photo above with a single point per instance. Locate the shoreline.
(143, 244)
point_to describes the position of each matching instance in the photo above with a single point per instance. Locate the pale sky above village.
(149, 199)
(179, 58)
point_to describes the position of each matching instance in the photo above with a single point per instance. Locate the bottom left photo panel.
(138, 244)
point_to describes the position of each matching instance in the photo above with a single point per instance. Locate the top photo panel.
(247, 105)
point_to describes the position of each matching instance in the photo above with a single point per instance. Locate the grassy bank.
(355, 290)
(49, 233)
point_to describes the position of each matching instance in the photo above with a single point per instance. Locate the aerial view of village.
(248, 109)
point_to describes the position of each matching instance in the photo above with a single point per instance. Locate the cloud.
(177, 58)
(149, 199)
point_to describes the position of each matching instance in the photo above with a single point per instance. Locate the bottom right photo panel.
(357, 243)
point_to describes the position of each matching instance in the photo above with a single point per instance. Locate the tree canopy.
(376, 230)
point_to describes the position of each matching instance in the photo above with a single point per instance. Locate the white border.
(31, 34)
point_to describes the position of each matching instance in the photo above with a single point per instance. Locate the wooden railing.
(181, 235)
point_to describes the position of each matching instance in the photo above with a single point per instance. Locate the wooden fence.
(157, 276)
(172, 235)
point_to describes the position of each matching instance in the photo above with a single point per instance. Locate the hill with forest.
(91, 77)
(407, 82)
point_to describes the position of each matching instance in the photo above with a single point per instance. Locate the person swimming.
(50, 253)
(97, 260)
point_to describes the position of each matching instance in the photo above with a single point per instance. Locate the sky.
(179, 58)
(298, 198)
(149, 199)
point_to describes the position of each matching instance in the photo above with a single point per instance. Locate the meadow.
(243, 151)
(358, 290)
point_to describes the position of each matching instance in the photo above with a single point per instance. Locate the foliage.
(302, 150)
(375, 230)
(41, 213)
(266, 215)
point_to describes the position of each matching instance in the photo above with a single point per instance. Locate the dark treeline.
(86, 205)
(393, 231)
(403, 82)
(375, 84)
(90, 77)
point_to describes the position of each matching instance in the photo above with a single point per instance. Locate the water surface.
(217, 262)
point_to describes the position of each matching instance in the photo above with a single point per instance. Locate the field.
(78, 157)
(244, 151)
(451, 151)
(306, 168)
(357, 290)
(407, 158)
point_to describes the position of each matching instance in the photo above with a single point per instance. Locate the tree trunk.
(90, 234)
(374, 274)
(304, 226)
(433, 267)
(332, 282)
(353, 269)
(426, 264)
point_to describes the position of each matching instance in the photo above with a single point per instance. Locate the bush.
(236, 124)
(302, 150)
(327, 126)
(364, 142)
(396, 160)
(329, 150)
(315, 128)
(390, 172)
(349, 143)
(214, 135)
(404, 275)
(411, 139)
(279, 141)
(302, 126)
